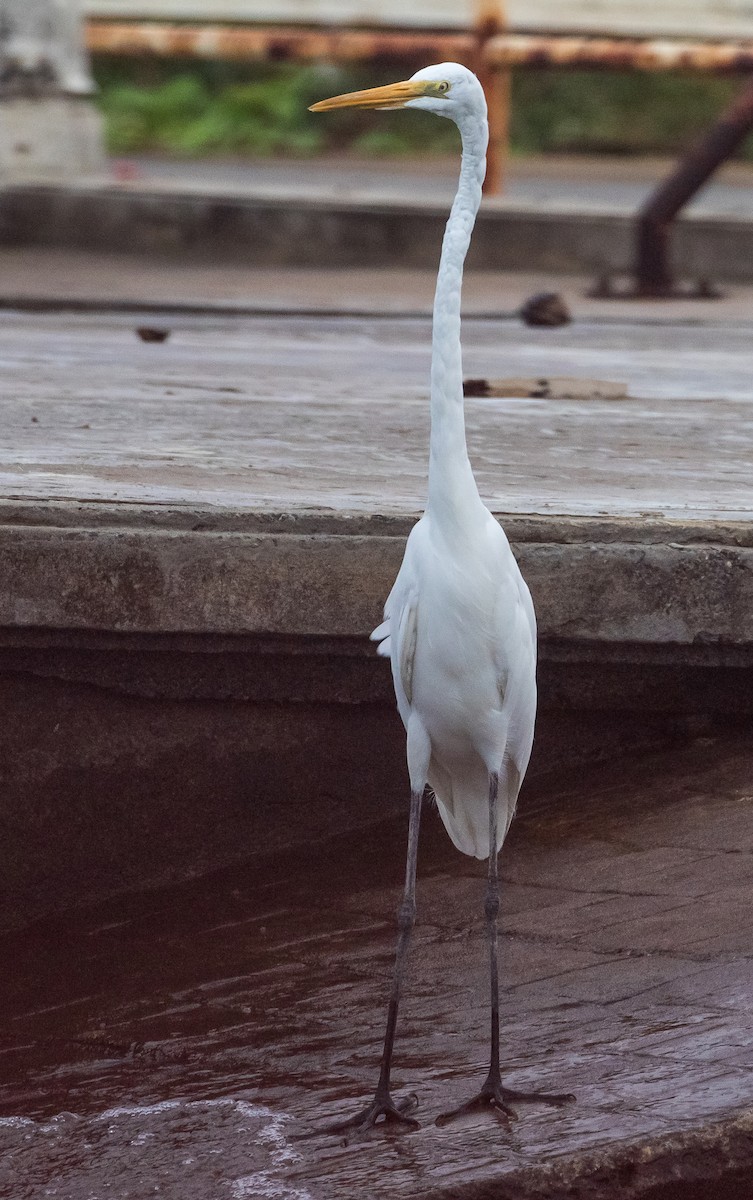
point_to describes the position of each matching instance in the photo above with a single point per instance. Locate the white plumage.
(460, 632)
(459, 626)
(459, 623)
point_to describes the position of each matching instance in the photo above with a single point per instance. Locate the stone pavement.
(195, 1041)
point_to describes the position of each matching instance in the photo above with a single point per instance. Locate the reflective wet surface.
(194, 1043)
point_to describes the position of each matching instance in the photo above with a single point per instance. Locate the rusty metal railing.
(498, 50)
(490, 51)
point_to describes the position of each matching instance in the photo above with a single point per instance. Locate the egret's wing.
(400, 647)
(406, 648)
(516, 667)
(382, 635)
(397, 633)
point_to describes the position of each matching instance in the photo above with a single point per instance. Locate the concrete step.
(293, 229)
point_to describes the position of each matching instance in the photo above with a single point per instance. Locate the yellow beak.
(394, 95)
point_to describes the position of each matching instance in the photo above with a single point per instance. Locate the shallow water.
(194, 1042)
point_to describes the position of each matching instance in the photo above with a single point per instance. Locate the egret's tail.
(463, 804)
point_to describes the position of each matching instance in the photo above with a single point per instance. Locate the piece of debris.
(125, 171)
(545, 308)
(550, 388)
(149, 333)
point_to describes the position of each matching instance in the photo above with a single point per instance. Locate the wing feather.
(407, 635)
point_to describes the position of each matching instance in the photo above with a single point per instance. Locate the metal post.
(49, 127)
(653, 273)
(497, 84)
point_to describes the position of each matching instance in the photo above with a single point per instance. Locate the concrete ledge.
(212, 662)
(658, 584)
(691, 1165)
(355, 232)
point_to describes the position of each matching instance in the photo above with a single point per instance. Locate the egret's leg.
(493, 1095)
(383, 1106)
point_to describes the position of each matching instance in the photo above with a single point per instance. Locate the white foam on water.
(267, 1185)
(264, 1185)
(250, 1124)
(15, 1122)
(272, 1133)
(139, 1110)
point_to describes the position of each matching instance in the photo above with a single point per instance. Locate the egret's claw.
(501, 1099)
(553, 1099)
(381, 1111)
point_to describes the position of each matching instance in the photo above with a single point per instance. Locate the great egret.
(459, 625)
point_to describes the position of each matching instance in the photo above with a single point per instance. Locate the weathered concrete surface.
(694, 594)
(260, 476)
(285, 414)
(195, 538)
(197, 1040)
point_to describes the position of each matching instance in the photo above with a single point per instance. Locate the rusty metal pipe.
(497, 85)
(276, 43)
(617, 54)
(652, 270)
(500, 51)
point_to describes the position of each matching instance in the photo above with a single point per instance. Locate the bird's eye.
(443, 87)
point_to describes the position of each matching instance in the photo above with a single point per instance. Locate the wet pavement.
(194, 1042)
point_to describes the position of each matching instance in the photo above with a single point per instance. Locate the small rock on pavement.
(545, 308)
(148, 333)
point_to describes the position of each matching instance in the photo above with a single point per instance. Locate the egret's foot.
(381, 1111)
(553, 1099)
(501, 1100)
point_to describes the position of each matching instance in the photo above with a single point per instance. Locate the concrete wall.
(325, 233)
(179, 691)
(49, 128)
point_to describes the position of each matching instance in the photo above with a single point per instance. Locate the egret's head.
(447, 89)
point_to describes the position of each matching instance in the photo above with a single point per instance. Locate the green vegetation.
(613, 112)
(197, 109)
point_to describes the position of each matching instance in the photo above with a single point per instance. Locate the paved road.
(542, 182)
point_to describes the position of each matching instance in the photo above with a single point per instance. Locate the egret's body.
(459, 624)
(461, 634)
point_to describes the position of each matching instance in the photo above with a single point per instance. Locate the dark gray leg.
(493, 1095)
(382, 1106)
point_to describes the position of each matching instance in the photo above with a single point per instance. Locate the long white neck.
(452, 487)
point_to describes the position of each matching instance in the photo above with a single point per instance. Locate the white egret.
(459, 625)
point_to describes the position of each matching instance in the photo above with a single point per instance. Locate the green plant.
(196, 108)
